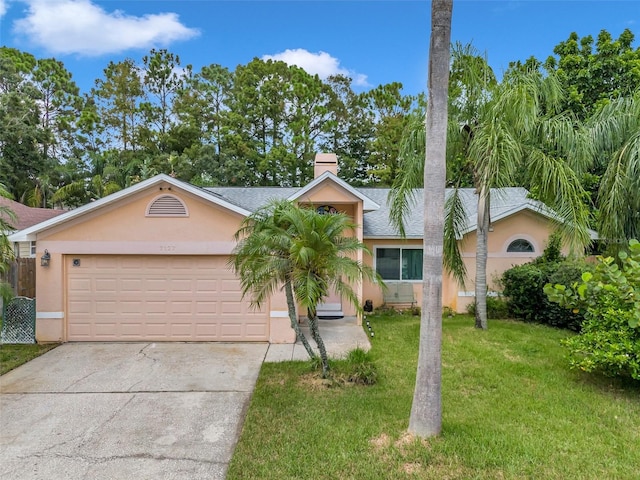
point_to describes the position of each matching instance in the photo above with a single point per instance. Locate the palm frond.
(405, 188)
(559, 187)
(454, 225)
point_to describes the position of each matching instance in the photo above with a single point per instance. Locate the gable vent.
(167, 206)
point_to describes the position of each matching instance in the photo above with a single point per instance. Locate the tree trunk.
(315, 334)
(291, 306)
(481, 257)
(426, 410)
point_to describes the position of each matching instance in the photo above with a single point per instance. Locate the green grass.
(512, 409)
(14, 355)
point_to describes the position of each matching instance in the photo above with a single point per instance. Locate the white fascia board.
(544, 211)
(368, 205)
(29, 234)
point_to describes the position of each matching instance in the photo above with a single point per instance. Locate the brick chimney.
(325, 162)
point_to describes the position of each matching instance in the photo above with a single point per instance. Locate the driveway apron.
(128, 410)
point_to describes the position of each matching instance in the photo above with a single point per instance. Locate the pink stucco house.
(150, 262)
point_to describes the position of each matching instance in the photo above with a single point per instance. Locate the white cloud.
(81, 27)
(321, 63)
(3, 7)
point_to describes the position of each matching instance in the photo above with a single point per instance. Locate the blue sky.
(373, 41)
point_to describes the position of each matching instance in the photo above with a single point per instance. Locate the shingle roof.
(504, 202)
(252, 198)
(244, 200)
(26, 216)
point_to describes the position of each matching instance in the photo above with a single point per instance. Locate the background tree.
(352, 133)
(595, 74)
(426, 410)
(202, 124)
(118, 96)
(21, 135)
(7, 219)
(593, 78)
(163, 77)
(390, 111)
(60, 106)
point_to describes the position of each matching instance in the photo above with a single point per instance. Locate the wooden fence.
(22, 277)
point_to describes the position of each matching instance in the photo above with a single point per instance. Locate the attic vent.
(167, 206)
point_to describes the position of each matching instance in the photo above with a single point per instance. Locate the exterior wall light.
(45, 259)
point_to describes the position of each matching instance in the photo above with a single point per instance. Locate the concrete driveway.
(132, 410)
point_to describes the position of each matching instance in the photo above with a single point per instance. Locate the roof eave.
(368, 205)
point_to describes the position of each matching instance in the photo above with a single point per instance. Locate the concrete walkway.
(138, 410)
(339, 336)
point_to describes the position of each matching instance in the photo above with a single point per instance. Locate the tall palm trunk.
(426, 410)
(481, 257)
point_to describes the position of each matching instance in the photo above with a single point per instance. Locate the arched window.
(167, 206)
(520, 246)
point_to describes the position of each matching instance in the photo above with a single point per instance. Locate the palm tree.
(615, 133)
(306, 252)
(426, 410)
(262, 259)
(84, 190)
(508, 133)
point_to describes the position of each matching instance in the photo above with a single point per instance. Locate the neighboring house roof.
(26, 216)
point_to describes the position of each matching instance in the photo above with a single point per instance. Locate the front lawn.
(12, 356)
(512, 410)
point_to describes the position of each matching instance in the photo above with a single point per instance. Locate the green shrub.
(609, 297)
(359, 368)
(496, 308)
(553, 314)
(448, 312)
(524, 288)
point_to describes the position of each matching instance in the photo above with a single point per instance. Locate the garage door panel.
(106, 285)
(80, 284)
(207, 286)
(80, 307)
(206, 308)
(206, 330)
(255, 330)
(102, 306)
(131, 284)
(229, 285)
(138, 298)
(105, 263)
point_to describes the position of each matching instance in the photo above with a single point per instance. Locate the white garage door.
(170, 298)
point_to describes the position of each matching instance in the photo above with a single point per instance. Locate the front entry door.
(331, 308)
